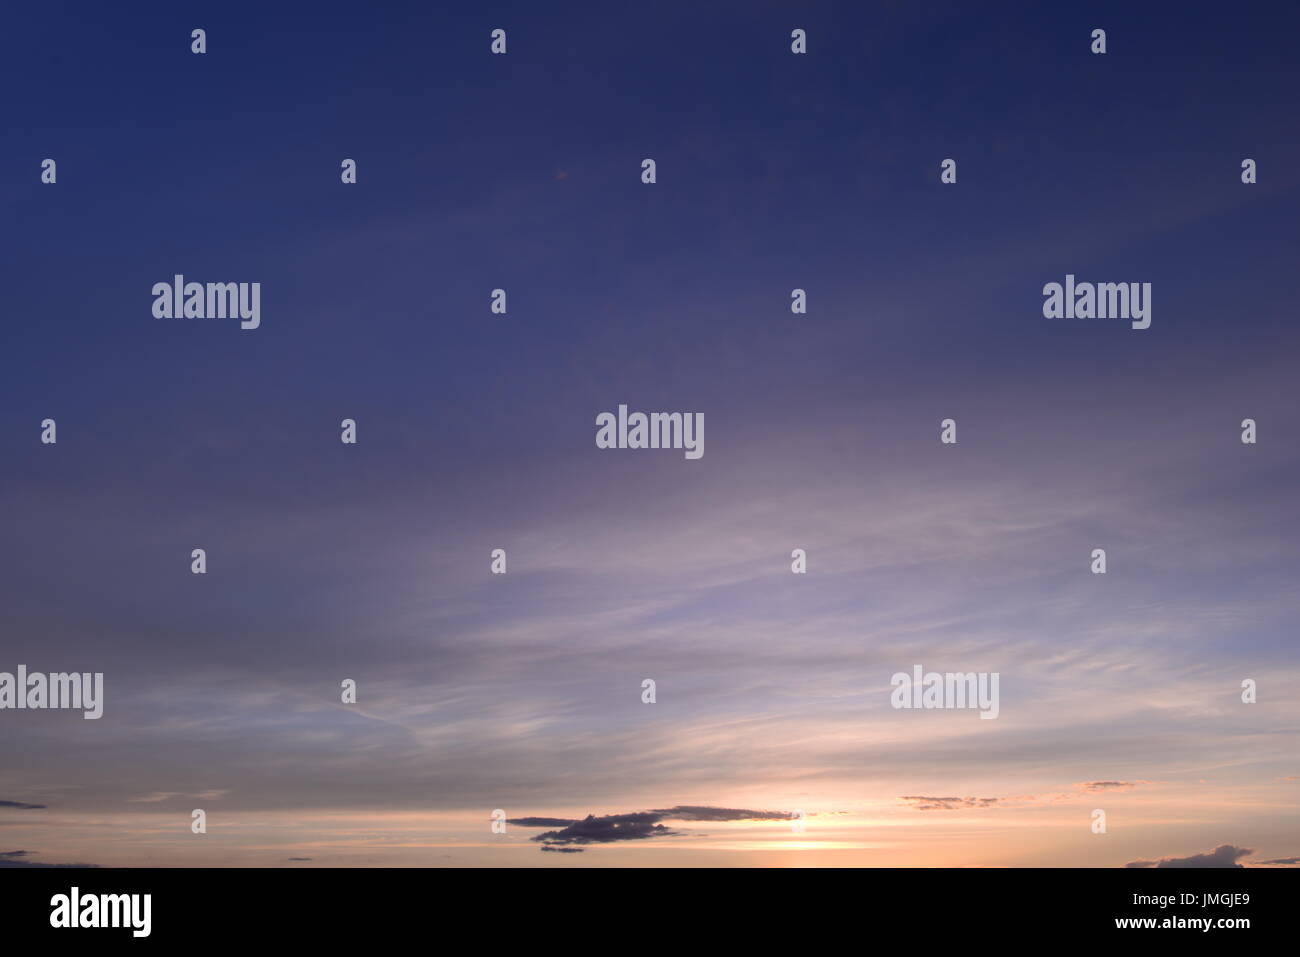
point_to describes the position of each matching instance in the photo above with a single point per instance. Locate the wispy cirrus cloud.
(930, 803)
(155, 797)
(925, 803)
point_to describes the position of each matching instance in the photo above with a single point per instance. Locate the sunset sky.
(522, 692)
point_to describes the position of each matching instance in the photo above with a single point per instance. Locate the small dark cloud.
(1109, 785)
(9, 862)
(1283, 861)
(1225, 855)
(925, 803)
(21, 806)
(19, 859)
(300, 858)
(563, 850)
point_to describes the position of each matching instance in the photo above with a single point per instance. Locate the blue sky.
(476, 431)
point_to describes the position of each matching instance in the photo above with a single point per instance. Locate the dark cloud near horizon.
(634, 826)
(608, 829)
(1225, 855)
(21, 806)
(300, 858)
(12, 859)
(1284, 861)
(11, 862)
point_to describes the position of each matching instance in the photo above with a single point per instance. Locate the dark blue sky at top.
(775, 171)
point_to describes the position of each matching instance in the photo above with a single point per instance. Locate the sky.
(326, 561)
